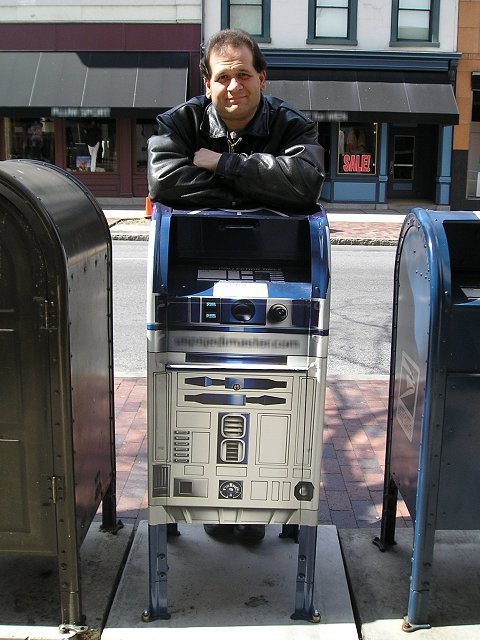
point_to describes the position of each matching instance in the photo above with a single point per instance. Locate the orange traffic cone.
(148, 207)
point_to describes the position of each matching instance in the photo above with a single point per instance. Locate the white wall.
(289, 25)
(289, 18)
(168, 11)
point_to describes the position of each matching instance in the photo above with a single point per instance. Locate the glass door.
(412, 161)
(402, 165)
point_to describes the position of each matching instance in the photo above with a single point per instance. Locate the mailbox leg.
(158, 570)
(109, 510)
(389, 513)
(304, 607)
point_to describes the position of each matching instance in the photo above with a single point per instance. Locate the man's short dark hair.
(235, 38)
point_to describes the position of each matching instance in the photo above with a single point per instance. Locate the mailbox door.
(27, 510)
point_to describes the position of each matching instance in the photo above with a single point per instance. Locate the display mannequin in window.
(35, 132)
(235, 148)
(93, 137)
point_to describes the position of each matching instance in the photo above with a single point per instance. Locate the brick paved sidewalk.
(385, 233)
(353, 458)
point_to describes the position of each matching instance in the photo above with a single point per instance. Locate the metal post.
(304, 607)
(158, 570)
(389, 513)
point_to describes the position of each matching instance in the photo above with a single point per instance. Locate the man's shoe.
(218, 530)
(249, 532)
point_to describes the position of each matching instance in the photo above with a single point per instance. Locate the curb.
(128, 236)
(367, 242)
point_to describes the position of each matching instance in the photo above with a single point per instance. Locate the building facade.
(378, 77)
(466, 139)
(82, 83)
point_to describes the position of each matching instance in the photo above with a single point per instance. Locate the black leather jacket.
(276, 162)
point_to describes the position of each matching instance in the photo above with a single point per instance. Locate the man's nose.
(233, 84)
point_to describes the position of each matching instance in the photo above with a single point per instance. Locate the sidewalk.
(353, 454)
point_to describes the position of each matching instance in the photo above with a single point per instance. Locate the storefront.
(90, 113)
(106, 154)
(385, 120)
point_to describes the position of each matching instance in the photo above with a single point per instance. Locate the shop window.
(91, 144)
(332, 21)
(144, 129)
(415, 22)
(473, 169)
(324, 138)
(357, 148)
(252, 16)
(30, 138)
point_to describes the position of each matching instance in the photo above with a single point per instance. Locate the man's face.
(234, 86)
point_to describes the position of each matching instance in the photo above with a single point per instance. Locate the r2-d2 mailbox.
(238, 322)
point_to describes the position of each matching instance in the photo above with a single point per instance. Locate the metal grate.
(160, 480)
(233, 426)
(232, 450)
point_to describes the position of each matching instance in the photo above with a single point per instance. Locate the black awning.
(403, 102)
(123, 79)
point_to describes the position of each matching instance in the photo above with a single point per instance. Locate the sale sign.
(357, 163)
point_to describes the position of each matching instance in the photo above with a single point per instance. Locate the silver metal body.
(57, 442)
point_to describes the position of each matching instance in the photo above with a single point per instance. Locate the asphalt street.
(360, 322)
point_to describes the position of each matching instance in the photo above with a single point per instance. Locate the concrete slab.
(380, 584)
(219, 589)
(29, 589)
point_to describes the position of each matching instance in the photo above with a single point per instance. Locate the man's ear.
(263, 76)
(208, 91)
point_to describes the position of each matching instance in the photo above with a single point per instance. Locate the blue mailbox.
(433, 439)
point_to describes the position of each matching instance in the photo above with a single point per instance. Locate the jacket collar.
(258, 126)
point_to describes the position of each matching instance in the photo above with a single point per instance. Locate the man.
(235, 148)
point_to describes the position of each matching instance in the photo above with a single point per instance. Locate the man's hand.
(206, 159)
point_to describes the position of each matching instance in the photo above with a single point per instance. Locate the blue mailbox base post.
(422, 558)
(158, 575)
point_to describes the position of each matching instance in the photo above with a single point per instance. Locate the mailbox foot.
(147, 616)
(408, 627)
(77, 628)
(380, 544)
(113, 530)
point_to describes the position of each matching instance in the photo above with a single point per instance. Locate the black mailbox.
(57, 448)
(433, 439)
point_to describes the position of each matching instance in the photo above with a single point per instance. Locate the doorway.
(412, 162)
